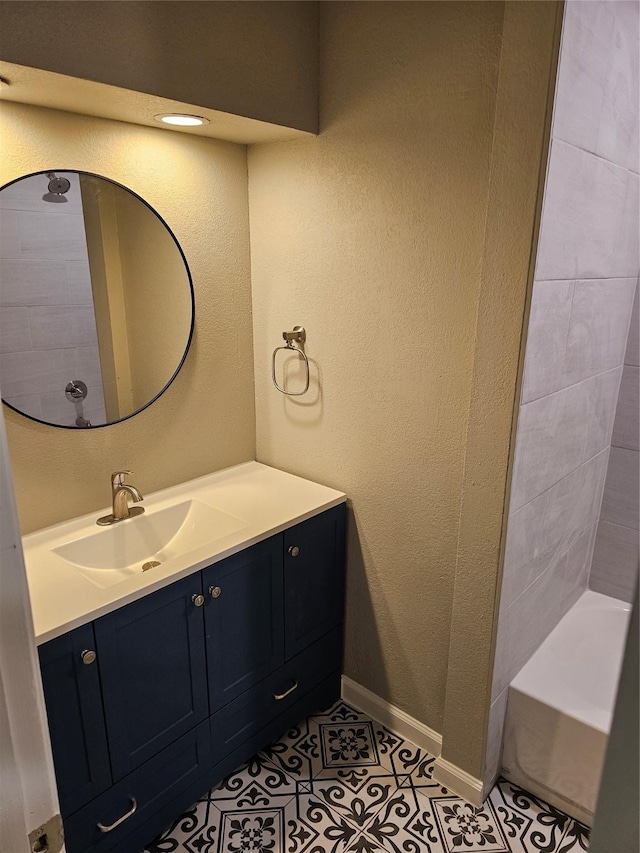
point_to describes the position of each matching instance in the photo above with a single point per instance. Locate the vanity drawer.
(151, 787)
(239, 720)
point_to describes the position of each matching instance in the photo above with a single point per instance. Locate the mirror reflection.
(96, 301)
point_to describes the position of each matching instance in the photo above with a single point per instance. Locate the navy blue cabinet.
(313, 578)
(73, 697)
(153, 672)
(154, 703)
(243, 620)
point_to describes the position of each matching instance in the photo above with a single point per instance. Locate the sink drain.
(150, 565)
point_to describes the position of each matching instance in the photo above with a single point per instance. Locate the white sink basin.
(113, 554)
(78, 571)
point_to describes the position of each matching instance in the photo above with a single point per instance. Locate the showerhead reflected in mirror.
(56, 189)
(95, 294)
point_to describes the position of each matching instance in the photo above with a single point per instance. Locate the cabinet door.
(153, 672)
(76, 721)
(243, 619)
(313, 578)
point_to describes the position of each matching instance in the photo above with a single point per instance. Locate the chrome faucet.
(121, 492)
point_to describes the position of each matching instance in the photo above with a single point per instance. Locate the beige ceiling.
(58, 91)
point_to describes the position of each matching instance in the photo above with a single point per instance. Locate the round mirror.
(96, 300)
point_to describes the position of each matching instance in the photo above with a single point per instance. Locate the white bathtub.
(560, 706)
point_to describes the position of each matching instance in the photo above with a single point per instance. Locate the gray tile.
(589, 220)
(546, 338)
(614, 570)
(32, 283)
(88, 365)
(620, 503)
(627, 246)
(596, 105)
(36, 371)
(557, 433)
(582, 74)
(524, 625)
(600, 411)
(597, 334)
(14, 330)
(543, 530)
(9, 528)
(56, 409)
(632, 355)
(46, 237)
(497, 714)
(619, 116)
(575, 565)
(551, 434)
(63, 326)
(633, 161)
(28, 404)
(94, 408)
(626, 428)
(79, 277)
(9, 241)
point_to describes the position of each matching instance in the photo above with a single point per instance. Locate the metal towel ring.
(299, 335)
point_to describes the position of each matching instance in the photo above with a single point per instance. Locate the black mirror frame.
(191, 291)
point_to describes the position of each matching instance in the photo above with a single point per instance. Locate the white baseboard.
(455, 779)
(391, 716)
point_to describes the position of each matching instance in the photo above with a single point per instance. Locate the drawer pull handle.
(87, 656)
(120, 820)
(294, 550)
(279, 696)
(198, 600)
(215, 591)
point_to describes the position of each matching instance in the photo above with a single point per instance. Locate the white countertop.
(266, 501)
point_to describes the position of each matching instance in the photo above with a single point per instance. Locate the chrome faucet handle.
(117, 478)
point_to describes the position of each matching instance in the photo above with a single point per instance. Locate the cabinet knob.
(294, 550)
(215, 591)
(198, 600)
(87, 656)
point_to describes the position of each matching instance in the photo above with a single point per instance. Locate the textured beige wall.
(525, 89)
(255, 59)
(205, 421)
(372, 237)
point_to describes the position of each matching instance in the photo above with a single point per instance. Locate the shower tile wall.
(614, 570)
(585, 279)
(47, 324)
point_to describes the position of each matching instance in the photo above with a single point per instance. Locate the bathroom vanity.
(158, 683)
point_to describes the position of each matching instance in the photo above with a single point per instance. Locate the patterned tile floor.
(342, 783)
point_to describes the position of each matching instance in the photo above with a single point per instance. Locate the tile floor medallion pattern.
(342, 783)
